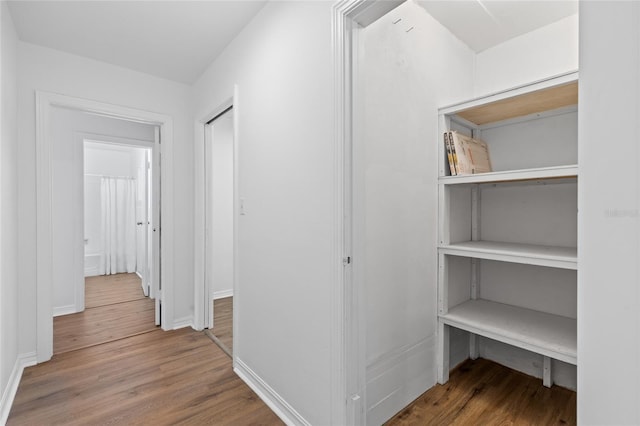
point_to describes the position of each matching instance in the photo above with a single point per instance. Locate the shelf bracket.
(546, 372)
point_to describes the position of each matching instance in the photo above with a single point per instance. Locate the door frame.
(348, 292)
(209, 140)
(80, 139)
(45, 101)
(201, 290)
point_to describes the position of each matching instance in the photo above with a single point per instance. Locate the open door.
(156, 282)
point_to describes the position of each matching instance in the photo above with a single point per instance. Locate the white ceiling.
(482, 24)
(176, 40)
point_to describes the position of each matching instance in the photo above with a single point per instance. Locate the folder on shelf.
(447, 146)
(472, 155)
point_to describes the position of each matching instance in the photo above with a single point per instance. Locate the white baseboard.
(274, 401)
(222, 294)
(64, 310)
(9, 393)
(91, 272)
(183, 322)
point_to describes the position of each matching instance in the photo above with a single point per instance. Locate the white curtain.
(118, 202)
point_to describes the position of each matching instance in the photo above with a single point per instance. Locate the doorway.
(219, 228)
(59, 180)
(112, 178)
(117, 210)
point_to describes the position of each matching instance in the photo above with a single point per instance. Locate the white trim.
(64, 310)
(236, 240)
(344, 363)
(201, 310)
(92, 271)
(183, 322)
(222, 294)
(348, 350)
(269, 396)
(44, 102)
(9, 392)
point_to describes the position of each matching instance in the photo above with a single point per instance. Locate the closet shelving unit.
(531, 132)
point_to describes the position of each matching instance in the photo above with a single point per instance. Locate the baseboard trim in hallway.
(159, 378)
(270, 397)
(9, 393)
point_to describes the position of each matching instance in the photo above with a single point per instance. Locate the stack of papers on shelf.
(466, 155)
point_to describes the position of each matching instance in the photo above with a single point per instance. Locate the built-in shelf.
(518, 102)
(542, 173)
(547, 334)
(529, 254)
(534, 126)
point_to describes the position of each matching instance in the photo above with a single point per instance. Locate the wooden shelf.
(546, 95)
(547, 334)
(557, 172)
(529, 254)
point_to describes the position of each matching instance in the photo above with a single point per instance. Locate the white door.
(156, 225)
(142, 219)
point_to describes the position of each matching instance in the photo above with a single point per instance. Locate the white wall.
(220, 203)
(609, 214)
(53, 71)
(405, 78)
(67, 130)
(539, 54)
(282, 64)
(8, 210)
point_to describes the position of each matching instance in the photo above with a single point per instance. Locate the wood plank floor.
(156, 378)
(481, 392)
(109, 289)
(181, 377)
(115, 307)
(223, 321)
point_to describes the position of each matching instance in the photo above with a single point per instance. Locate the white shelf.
(550, 335)
(568, 171)
(554, 257)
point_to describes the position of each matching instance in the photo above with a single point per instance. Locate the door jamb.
(80, 139)
(45, 101)
(348, 363)
(200, 290)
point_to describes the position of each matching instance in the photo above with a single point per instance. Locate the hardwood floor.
(481, 392)
(115, 307)
(159, 377)
(109, 289)
(223, 321)
(156, 378)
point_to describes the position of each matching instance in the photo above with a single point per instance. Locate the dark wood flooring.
(482, 392)
(112, 365)
(181, 377)
(156, 378)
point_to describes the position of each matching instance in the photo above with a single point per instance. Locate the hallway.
(113, 365)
